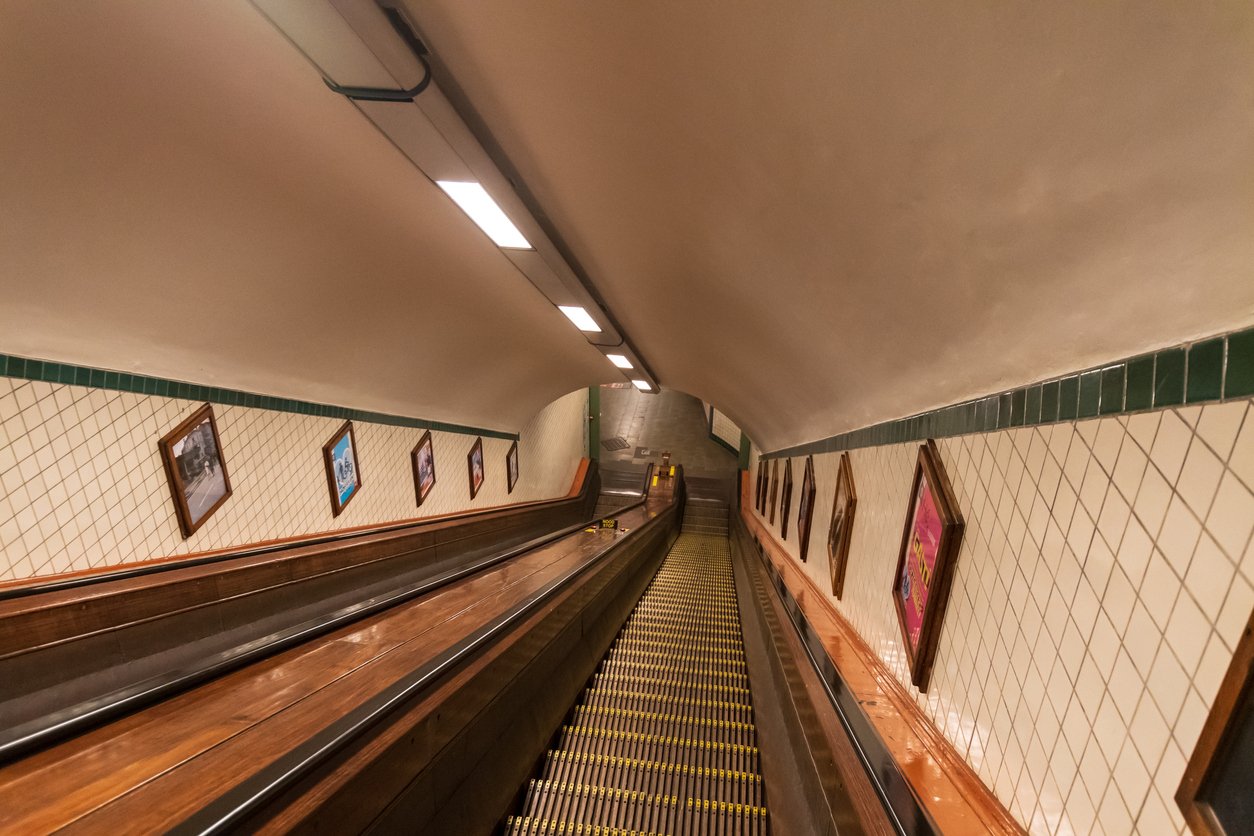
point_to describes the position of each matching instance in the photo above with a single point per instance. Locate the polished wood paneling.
(153, 768)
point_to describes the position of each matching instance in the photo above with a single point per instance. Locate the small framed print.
(196, 469)
(757, 486)
(474, 467)
(805, 509)
(840, 531)
(511, 466)
(929, 547)
(785, 500)
(343, 468)
(423, 457)
(1214, 794)
(774, 487)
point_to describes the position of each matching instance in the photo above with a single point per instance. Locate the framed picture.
(423, 457)
(511, 466)
(1214, 793)
(343, 468)
(785, 500)
(474, 467)
(805, 510)
(196, 469)
(841, 529)
(757, 487)
(929, 548)
(774, 487)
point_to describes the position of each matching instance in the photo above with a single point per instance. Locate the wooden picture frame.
(422, 457)
(805, 508)
(1218, 770)
(757, 486)
(343, 467)
(475, 467)
(840, 531)
(930, 538)
(785, 500)
(774, 487)
(511, 466)
(195, 469)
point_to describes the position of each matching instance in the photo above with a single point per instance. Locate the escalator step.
(663, 739)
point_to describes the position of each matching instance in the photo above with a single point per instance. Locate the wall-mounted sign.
(841, 529)
(785, 500)
(929, 548)
(805, 509)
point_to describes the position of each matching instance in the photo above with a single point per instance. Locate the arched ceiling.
(182, 196)
(815, 215)
(819, 215)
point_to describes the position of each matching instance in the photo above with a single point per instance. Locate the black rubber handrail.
(21, 740)
(60, 584)
(907, 815)
(231, 809)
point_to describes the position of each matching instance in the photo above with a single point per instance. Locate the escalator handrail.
(18, 741)
(229, 810)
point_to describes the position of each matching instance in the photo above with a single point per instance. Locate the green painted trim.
(1203, 371)
(66, 373)
(744, 451)
(594, 423)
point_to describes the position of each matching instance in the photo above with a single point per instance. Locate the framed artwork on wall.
(774, 487)
(805, 509)
(757, 487)
(423, 458)
(196, 469)
(929, 547)
(511, 466)
(343, 468)
(1214, 793)
(785, 499)
(474, 467)
(841, 530)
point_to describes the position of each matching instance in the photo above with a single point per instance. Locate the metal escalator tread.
(662, 740)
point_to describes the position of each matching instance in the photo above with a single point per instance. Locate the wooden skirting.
(945, 784)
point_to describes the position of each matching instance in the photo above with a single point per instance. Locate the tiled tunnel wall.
(82, 485)
(1104, 578)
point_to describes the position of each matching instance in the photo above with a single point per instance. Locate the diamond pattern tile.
(1104, 577)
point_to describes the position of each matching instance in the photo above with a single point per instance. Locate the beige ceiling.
(819, 215)
(180, 195)
(815, 215)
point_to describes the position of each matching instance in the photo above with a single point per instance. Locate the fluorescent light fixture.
(619, 360)
(482, 209)
(642, 385)
(582, 319)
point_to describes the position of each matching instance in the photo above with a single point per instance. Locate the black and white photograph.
(192, 454)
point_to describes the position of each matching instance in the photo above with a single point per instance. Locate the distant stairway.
(705, 516)
(663, 740)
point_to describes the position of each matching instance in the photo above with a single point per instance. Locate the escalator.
(662, 739)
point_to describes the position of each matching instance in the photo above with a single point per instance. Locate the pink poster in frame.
(929, 547)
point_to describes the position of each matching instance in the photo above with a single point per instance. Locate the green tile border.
(67, 373)
(1203, 371)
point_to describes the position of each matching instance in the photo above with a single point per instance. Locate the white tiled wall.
(82, 484)
(1104, 578)
(724, 427)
